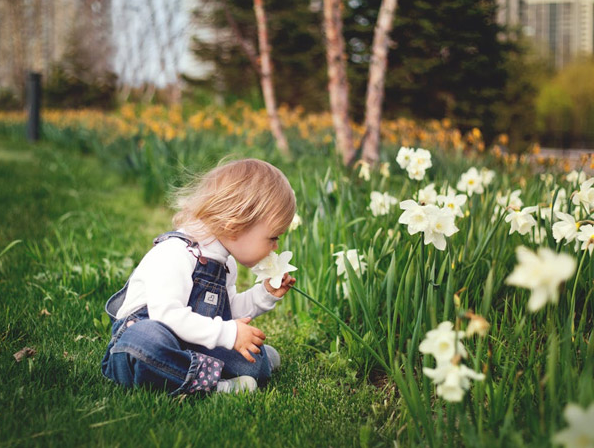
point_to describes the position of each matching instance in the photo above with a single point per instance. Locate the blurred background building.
(504, 66)
(140, 43)
(562, 30)
(509, 12)
(147, 42)
(37, 34)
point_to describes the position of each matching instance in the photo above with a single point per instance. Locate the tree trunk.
(247, 49)
(266, 80)
(337, 79)
(376, 81)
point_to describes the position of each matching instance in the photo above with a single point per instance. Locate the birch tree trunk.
(266, 80)
(376, 81)
(337, 79)
(245, 45)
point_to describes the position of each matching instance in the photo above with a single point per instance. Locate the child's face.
(252, 245)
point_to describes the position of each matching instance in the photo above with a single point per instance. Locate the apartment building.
(561, 29)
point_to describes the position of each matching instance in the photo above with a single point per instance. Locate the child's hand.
(248, 338)
(287, 283)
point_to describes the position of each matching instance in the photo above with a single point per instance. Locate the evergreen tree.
(296, 40)
(448, 59)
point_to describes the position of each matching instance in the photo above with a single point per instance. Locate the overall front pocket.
(207, 298)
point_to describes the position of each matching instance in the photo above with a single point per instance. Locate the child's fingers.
(259, 334)
(247, 352)
(289, 281)
(247, 355)
(256, 342)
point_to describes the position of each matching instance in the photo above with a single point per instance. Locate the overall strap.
(181, 236)
(190, 245)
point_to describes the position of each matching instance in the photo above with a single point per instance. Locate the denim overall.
(147, 352)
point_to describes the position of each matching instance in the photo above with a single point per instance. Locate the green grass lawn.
(81, 229)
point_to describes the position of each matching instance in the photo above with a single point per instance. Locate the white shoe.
(273, 357)
(238, 384)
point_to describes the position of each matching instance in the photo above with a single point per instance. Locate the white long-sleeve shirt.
(163, 282)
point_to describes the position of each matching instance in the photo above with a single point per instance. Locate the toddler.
(179, 323)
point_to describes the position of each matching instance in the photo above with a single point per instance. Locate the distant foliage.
(82, 78)
(448, 59)
(565, 107)
(515, 109)
(8, 100)
(66, 90)
(296, 39)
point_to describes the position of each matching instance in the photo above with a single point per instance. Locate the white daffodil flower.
(422, 158)
(365, 170)
(441, 224)
(586, 236)
(575, 177)
(471, 182)
(428, 195)
(547, 178)
(443, 343)
(561, 199)
(540, 235)
(487, 176)
(296, 222)
(585, 195)
(511, 200)
(449, 191)
(452, 202)
(521, 221)
(356, 261)
(566, 228)
(274, 267)
(404, 156)
(385, 169)
(414, 216)
(415, 172)
(434, 222)
(545, 212)
(452, 380)
(381, 203)
(580, 432)
(415, 161)
(541, 272)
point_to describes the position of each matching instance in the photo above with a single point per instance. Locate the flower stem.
(379, 359)
(479, 253)
(422, 268)
(577, 277)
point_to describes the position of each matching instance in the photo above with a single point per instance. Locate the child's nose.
(275, 246)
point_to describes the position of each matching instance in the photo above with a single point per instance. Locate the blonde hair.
(233, 197)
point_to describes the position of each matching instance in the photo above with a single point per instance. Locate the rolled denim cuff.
(203, 375)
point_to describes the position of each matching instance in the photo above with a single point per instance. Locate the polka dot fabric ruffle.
(208, 374)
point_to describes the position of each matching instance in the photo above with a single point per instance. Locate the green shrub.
(65, 89)
(8, 100)
(565, 106)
